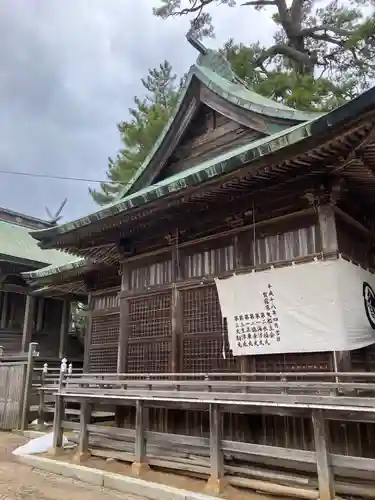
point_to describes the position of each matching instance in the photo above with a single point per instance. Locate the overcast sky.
(68, 72)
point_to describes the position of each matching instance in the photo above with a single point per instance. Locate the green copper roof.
(76, 263)
(16, 243)
(214, 71)
(219, 165)
(209, 169)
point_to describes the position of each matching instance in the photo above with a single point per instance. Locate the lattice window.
(205, 354)
(103, 358)
(204, 332)
(150, 357)
(201, 311)
(104, 343)
(105, 329)
(150, 316)
(309, 362)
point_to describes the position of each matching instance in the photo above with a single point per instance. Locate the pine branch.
(325, 27)
(287, 51)
(259, 3)
(198, 6)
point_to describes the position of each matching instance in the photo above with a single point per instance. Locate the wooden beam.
(327, 226)
(28, 323)
(58, 430)
(40, 314)
(64, 328)
(4, 310)
(86, 356)
(140, 465)
(176, 312)
(28, 383)
(323, 459)
(215, 483)
(124, 333)
(329, 245)
(82, 453)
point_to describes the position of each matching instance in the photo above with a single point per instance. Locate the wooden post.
(216, 482)
(41, 397)
(176, 310)
(28, 322)
(324, 468)
(176, 329)
(329, 245)
(40, 315)
(28, 385)
(58, 431)
(86, 356)
(82, 453)
(4, 310)
(64, 328)
(122, 354)
(1, 350)
(140, 465)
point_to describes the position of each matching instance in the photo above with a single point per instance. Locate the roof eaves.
(214, 167)
(230, 92)
(222, 88)
(54, 270)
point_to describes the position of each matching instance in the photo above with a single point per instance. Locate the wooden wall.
(210, 133)
(173, 312)
(173, 318)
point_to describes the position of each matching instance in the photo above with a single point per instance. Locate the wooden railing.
(320, 396)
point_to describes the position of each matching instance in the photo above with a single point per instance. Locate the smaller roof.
(77, 263)
(16, 243)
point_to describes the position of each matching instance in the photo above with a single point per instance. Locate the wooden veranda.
(320, 472)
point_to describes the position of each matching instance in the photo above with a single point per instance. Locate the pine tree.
(139, 133)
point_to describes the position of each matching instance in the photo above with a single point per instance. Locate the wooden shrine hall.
(25, 315)
(244, 244)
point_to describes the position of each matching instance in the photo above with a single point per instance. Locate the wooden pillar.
(58, 430)
(64, 328)
(40, 315)
(176, 312)
(323, 462)
(4, 310)
(176, 329)
(327, 228)
(122, 353)
(247, 363)
(28, 323)
(82, 453)
(86, 356)
(12, 312)
(216, 482)
(28, 383)
(140, 465)
(329, 245)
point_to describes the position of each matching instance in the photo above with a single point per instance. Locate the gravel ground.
(20, 482)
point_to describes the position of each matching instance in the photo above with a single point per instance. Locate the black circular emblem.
(369, 302)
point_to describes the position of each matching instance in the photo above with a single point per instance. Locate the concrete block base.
(55, 452)
(117, 482)
(215, 486)
(139, 468)
(81, 456)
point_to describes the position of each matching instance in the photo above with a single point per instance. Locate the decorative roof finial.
(197, 44)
